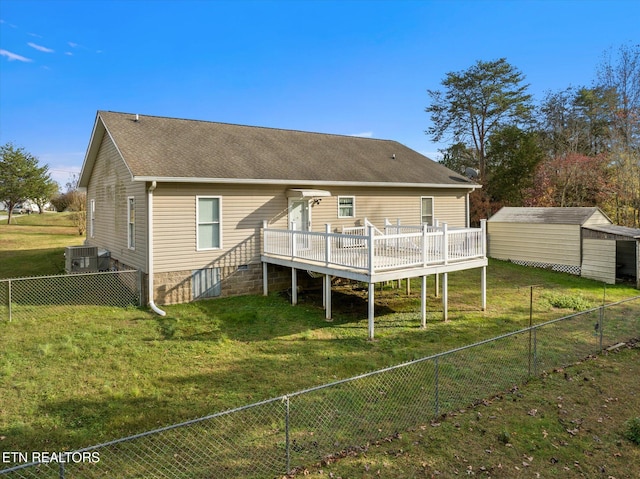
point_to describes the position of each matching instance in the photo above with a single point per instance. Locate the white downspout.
(152, 304)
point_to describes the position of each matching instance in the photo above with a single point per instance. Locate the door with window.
(300, 220)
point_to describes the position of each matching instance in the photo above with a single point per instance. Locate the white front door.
(299, 215)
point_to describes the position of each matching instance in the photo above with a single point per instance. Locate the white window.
(131, 222)
(209, 233)
(427, 210)
(92, 218)
(346, 206)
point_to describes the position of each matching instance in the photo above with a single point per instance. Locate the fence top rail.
(67, 275)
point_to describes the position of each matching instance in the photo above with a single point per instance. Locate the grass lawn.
(33, 245)
(570, 423)
(81, 377)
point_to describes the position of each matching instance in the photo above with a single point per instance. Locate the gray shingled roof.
(565, 216)
(172, 149)
(616, 230)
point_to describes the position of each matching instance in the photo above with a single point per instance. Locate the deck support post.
(294, 286)
(423, 302)
(445, 296)
(437, 285)
(372, 289)
(265, 281)
(327, 290)
(483, 286)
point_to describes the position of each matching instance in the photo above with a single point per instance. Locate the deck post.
(483, 286)
(445, 296)
(423, 302)
(265, 281)
(294, 286)
(327, 289)
(371, 251)
(445, 243)
(437, 285)
(483, 279)
(372, 289)
(327, 243)
(424, 245)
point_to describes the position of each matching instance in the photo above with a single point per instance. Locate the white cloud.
(12, 56)
(40, 47)
(73, 44)
(364, 134)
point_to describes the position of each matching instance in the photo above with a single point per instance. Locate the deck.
(399, 252)
(369, 255)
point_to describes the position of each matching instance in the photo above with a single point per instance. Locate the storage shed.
(581, 241)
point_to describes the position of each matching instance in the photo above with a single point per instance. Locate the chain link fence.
(285, 434)
(35, 297)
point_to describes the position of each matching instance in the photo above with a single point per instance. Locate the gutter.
(152, 304)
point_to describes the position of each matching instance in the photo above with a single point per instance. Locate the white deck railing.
(420, 246)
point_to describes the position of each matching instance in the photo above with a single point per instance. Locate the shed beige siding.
(597, 218)
(244, 208)
(110, 186)
(599, 260)
(536, 243)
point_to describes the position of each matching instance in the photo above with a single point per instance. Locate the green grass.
(576, 422)
(79, 377)
(33, 245)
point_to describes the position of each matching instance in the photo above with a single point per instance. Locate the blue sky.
(346, 67)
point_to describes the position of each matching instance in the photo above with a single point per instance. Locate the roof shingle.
(173, 149)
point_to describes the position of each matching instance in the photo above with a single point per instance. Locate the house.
(581, 241)
(193, 204)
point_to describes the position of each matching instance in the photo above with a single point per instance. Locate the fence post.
(9, 300)
(437, 402)
(601, 325)
(140, 286)
(535, 352)
(286, 432)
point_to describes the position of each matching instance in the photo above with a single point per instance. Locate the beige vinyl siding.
(553, 244)
(111, 186)
(599, 260)
(378, 204)
(243, 211)
(244, 208)
(597, 218)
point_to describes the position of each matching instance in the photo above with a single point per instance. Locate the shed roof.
(171, 149)
(550, 215)
(624, 231)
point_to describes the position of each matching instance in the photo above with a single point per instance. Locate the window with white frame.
(427, 210)
(346, 206)
(209, 233)
(92, 218)
(131, 222)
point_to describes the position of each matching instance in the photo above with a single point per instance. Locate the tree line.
(22, 178)
(577, 147)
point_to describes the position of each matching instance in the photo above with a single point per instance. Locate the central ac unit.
(81, 259)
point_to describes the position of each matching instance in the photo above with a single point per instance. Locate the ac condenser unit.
(81, 259)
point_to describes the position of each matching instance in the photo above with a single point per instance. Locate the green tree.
(576, 121)
(20, 176)
(476, 102)
(512, 158)
(620, 73)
